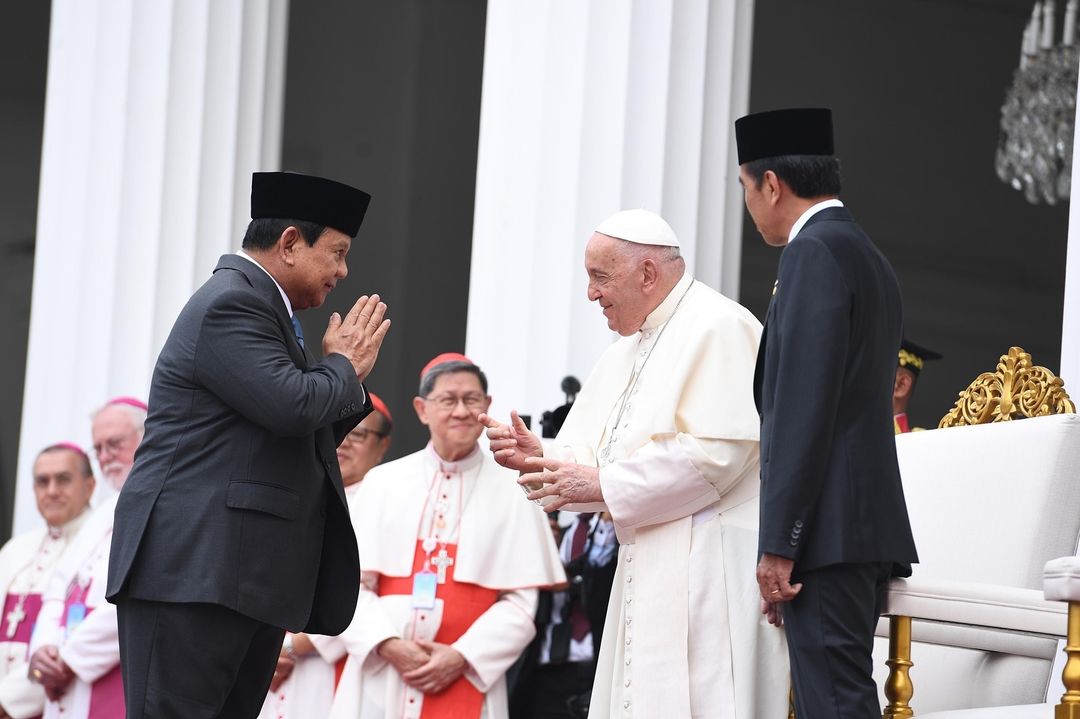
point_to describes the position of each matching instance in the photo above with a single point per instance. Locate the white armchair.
(989, 504)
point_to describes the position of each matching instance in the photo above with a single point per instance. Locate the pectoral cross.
(441, 561)
(14, 619)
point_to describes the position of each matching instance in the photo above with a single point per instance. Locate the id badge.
(423, 590)
(75, 614)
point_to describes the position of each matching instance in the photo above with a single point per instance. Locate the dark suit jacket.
(830, 484)
(236, 496)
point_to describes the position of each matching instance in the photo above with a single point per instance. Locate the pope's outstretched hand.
(512, 444)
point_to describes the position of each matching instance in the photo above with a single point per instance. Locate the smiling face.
(313, 270)
(616, 282)
(450, 411)
(62, 487)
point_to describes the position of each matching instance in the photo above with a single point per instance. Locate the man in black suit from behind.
(834, 525)
(233, 526)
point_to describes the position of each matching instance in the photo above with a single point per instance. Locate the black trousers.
(830, 633)
(194, 661)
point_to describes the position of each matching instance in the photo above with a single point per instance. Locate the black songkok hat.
(293, 196)
(797, 131)
(912, 356)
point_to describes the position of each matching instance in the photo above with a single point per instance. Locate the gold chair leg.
(1069, 708)
(791, 703)
(898, 688)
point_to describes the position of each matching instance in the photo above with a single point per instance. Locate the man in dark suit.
(834, 524)
(233, 524)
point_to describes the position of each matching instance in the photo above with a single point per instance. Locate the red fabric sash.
(463, 603)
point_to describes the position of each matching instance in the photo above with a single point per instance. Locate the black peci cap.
(294, 196)
(796, 131)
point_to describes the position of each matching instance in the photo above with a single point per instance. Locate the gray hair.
(427, 381)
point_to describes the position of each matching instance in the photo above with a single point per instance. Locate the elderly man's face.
(62, 489)
(316, 268)
(615, 282)
(362, 449)
(115, 441)
(450, 412)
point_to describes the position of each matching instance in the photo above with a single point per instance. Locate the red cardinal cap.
(444, 357)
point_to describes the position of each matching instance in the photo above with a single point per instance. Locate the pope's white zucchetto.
(640, 227)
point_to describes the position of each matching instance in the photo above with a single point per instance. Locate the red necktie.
(579, 621)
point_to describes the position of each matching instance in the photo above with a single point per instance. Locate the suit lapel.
(265, 286)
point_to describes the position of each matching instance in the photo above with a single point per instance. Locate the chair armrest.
(982, 605)
(1061, 579)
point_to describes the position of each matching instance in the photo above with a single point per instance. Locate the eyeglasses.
(360, 435)
(474, 401)
(112, 445)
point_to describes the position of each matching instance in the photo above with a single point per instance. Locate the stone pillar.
(156, 113)
(589, 108)
(1070, 326)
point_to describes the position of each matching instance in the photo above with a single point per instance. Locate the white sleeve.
(498, 636)
(47, 629)
(20, 697)
(370, 625)
(673, 477)
(93, 648)
(331, 649)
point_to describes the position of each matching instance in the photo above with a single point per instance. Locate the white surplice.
(668, 415)
(92, 648)
(26, 563)
(309, 690)
(503, 544)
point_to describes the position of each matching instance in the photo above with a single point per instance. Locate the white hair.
(137, 415)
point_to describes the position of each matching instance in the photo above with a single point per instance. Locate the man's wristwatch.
(287, 646)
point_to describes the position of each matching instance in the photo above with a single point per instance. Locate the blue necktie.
(299, 332)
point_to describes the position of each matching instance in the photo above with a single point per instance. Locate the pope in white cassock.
(63, 485)
(75, 647)
(305, 677)
(452, 560)
(664, 436)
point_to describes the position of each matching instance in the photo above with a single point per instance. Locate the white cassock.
(668, 416)
(309, 690)
(502, 553)
(26, 562)
(76, 617)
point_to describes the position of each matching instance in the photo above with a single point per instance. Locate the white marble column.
(1070, 326)
(589, 108)
(156, 113)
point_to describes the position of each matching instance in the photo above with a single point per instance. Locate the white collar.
(814, 209)
(665, 309)
(284, 297)
(467, 463)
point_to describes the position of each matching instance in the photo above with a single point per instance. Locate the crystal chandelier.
(1035, 149)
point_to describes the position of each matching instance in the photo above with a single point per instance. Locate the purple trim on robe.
(32, 607)
(107, 693)
(107, 696)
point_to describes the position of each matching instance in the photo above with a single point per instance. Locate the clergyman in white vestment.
(452, 560)
(63, 485)
(75, 646)
(664, 436)
(305, 678)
